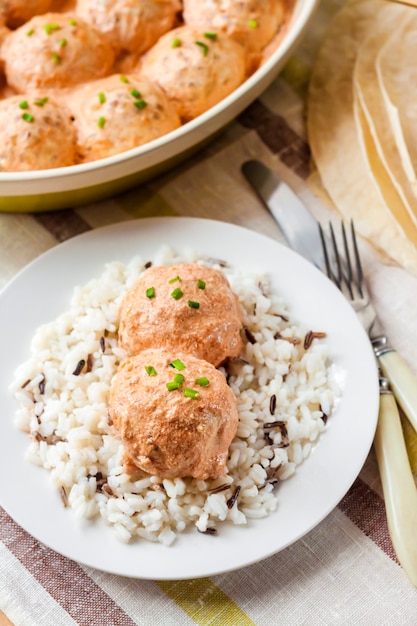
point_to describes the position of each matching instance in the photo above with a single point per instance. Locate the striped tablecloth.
(344, 571)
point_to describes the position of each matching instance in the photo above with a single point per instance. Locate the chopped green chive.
(28, 117)
(24, 104)
(212, 36)
(204, 47)
(124, 79)
(253, 23)
(30, 32)
(178, 365)
(140, 104)
(73, 22)
(102, 97)
(176, 43)
(173, 386)
(135, 93)
(150, 370)
(49, 28)
(41, 102)
(193, 305)
(201, 284)
(150, 293)
(190, 393)
(101, 122)
(177, 294)
(63, 43)
(177, 279)
(203, 381)
(178, 378)
(56, 57)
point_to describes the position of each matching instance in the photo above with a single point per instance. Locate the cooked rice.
(65, 411)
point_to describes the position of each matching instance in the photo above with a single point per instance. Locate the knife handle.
(403, 383)
(400, 491)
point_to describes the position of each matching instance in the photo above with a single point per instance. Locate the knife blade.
(296, 222)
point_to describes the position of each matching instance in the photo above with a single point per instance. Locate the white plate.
(42, 291)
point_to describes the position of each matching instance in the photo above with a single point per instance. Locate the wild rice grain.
(79, 368)
(231, 501)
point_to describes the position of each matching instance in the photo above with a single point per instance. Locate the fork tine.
(325, 252)
(349, 277)
(339, 276)
(359, 272)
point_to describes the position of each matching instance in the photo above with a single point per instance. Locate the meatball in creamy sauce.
(186, 307)
(14, 13)
(35, 131)
(195, 69)
(118, 113)
(130, 25)
(252, 23)
(175, 414)
(55, 50)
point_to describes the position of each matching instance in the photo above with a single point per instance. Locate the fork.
(399, 487)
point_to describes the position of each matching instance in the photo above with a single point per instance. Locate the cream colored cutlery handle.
(400, 492)
(403, 383)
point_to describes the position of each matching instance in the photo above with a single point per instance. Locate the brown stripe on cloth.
(367, 510)
(280, 138)
(62, 578)
(62, 224)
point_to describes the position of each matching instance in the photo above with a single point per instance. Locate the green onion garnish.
(41, 102)
(177, 294)
(150, 293)
(173, 386)
(135, 93)
(102, 97)
(140, 104)
(30, 32)
(201, 284)
(253, 23)
(177, 279)
(73, 22)
(56, 57)
(178, 378)
(124, 79)
(203, 46)
(28, 117)
(63, 43)
(150, 370)
(193, 305)
(176, 43)
(190, 393)
(49, 28)
(24, 104)
(101, 122)
(203, 381)
(212, 36)
(178, 365)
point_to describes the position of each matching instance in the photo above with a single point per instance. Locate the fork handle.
(403, 383)
(400, 491)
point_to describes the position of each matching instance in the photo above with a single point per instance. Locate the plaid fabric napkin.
(344, 571)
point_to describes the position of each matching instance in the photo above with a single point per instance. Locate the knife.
(300, 229)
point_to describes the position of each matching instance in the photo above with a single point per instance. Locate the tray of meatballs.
(91, 79)
(175, 396)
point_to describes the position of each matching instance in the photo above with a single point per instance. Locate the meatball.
(130, 25)
(36, 133)
(195, 70)
(187, 307)
(54, 51)
(14, 13)
(253, 23)
(118, 113)
(184, 430)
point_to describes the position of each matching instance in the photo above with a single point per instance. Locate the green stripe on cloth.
(143, 202)
(205, 603)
